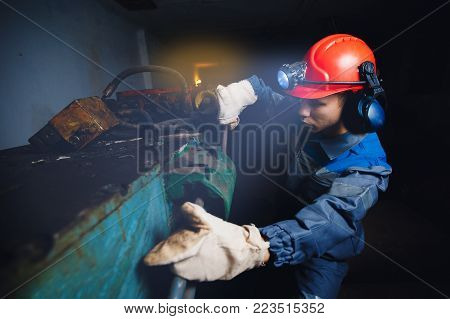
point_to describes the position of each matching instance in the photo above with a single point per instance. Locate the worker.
(341, 100)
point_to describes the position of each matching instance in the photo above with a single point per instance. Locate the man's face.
(322, 113)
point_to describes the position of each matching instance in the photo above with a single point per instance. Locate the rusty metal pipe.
(112, 86)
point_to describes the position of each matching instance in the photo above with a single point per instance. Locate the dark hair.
(351, 120)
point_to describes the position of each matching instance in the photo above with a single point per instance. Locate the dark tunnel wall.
(41, 74)
(410, 222)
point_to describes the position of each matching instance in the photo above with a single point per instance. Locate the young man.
(337, 89)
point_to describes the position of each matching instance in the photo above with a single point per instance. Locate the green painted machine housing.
(116, 217)
(197, 168)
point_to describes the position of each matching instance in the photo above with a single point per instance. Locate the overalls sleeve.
(330, 219)
(265, 94)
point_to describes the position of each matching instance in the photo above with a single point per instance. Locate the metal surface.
(206, 172)
(100, 255)
(87, 221)
(85, 119)
(79, 224)
(178, 288)
(111, 87)
(77, 124)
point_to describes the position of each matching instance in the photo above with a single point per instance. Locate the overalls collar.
(335, 146)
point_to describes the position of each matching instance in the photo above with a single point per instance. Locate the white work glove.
(233, 99)
(214, 250)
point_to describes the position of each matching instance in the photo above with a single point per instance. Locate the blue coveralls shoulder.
(341, 184)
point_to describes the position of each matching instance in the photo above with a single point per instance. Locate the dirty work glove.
(214, 250)
(233, 99)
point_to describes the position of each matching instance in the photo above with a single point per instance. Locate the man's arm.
(235, 97)
(330, 219)
(265, 93)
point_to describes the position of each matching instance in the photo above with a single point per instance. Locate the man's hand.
(213, 250)
(233, 99)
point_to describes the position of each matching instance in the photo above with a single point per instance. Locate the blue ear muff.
(372, 113)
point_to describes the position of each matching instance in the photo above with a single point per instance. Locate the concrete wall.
(40, 74)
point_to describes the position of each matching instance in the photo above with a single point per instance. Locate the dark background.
(409, 225)
(410, 222)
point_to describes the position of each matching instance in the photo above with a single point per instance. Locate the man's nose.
(304, 110)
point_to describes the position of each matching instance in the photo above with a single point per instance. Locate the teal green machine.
(78, 226)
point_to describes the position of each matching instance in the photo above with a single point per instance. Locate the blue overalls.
(341, 184)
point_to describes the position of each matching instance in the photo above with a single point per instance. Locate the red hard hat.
(335, 58)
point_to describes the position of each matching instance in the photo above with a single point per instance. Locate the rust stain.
(83, 120)
(119, 222)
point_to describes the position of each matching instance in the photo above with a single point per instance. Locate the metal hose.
(112, 86)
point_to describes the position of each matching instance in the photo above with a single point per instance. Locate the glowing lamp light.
(283, 79)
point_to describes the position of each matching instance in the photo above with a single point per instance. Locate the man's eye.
(310, 103)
